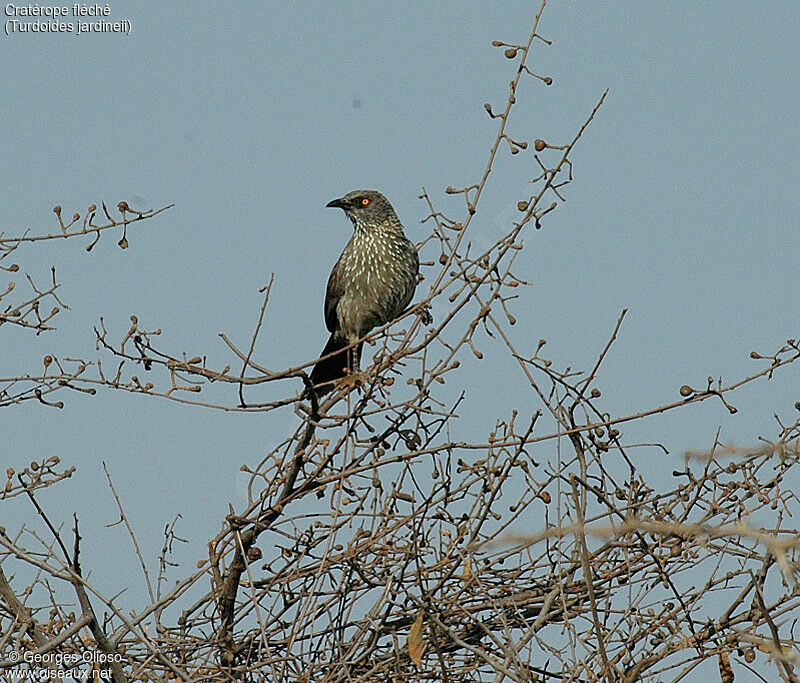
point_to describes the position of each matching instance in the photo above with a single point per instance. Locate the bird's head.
(365, 207)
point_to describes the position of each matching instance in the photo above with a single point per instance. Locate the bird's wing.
(332, 296)
(412, 285)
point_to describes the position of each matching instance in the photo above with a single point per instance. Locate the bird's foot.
(352, 380)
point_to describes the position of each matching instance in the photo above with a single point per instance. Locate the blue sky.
(251, 117)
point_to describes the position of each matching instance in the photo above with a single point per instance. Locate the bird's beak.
(340, 203)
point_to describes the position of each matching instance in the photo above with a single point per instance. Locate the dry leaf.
(415, 645)
(725, 670)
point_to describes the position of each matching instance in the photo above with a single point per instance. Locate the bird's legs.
(353, 377)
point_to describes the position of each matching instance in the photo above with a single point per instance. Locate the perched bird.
(370, 285)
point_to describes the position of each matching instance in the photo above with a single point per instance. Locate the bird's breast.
(379, 273)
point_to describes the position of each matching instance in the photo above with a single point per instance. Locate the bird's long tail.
(328, 370)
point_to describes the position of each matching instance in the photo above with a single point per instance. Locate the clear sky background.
(250, 117)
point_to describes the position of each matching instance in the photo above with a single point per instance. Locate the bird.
(371, 284)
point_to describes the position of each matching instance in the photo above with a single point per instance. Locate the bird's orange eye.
(365, 201)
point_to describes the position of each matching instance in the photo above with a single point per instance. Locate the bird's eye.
(365, 201)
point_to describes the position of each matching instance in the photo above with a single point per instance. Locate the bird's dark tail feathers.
(328, 370)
